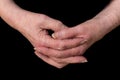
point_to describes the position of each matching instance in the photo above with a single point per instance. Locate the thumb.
(53, 24)
(65, 34)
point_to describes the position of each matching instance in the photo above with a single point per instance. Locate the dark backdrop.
(17, 54)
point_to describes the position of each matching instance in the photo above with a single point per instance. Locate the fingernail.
(53, 36)
(34, 48)
(84, 61)
(60, 48)
(83, 41)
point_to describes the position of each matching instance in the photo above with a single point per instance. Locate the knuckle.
(61, 46)
(87, 37)
(80, 52)
(75, 52)
(57, 60)
(53, 45)
(60, 54)
(56, 54)
(72, 53)
(36, 43)
(59, 23)
(43, 18)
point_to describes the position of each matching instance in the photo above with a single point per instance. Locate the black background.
(19, 61)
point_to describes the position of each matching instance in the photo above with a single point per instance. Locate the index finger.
(48, 41)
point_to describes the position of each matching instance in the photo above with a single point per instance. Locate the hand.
(89, 31)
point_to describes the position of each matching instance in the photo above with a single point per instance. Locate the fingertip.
(59, 34)
(56, 35)
(34, 48)
(37, 49)
(53, 36)
(84, 60)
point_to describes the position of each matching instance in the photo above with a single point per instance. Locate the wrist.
(106, 24)
(99, 30)
(9, 12)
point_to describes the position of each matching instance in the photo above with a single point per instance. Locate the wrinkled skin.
(89, 31)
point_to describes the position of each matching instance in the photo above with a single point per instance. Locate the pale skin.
(34, 27)
(71, 42)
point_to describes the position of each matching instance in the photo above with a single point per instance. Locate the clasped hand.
(65, 46)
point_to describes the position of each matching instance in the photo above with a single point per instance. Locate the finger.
(77, 51)
(65, 33)
(75, 59)
(53, 24)
(47, 41)
(70, 43)
(50, 61)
